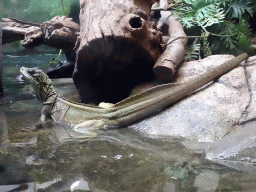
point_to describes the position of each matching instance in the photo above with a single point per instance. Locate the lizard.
(56, 108)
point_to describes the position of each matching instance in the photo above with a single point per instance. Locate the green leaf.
(203, 13)
(237, 8)
(192, 52)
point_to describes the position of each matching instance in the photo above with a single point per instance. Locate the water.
(116, 160)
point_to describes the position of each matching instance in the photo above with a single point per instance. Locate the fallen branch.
(59, 32)
(174, 53)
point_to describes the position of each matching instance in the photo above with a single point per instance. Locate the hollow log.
(118, 47)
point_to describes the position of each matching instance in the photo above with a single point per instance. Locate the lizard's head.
(40, 82)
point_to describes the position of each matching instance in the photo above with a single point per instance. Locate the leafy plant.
(56, 59)
(237, 8)
(193, 51)
(222, 24)
(202, 13)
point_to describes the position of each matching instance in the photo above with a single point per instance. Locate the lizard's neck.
(45, 93)
(49, 103)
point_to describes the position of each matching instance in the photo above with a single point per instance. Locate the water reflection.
(115, 160)
(119, 160)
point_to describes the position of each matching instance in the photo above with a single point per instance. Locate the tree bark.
(118, 47)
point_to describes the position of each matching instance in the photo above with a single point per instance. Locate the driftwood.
(59, 32)
(118, 47)
(15, 30)
(174, 53)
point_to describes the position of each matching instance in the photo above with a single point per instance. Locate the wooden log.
(15, 30)
(174, 53)
(115, 36)
(59, 32)
(116, 21)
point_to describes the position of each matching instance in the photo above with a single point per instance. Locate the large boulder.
(218, 120)
(237, 149)
(208, 114)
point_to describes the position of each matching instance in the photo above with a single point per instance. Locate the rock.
(250, 112)
(207, 181)
(219, 120)
(236, 145)
(208, 114)
(237, 148)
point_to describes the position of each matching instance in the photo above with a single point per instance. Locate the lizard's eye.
(31, 71)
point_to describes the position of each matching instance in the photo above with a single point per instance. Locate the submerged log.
(118, 47)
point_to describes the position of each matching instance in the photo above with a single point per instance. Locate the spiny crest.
(45, 88)
(44, 79)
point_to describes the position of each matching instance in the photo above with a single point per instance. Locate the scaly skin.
(128, 111)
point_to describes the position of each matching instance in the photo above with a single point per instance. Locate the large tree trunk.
(118, 48)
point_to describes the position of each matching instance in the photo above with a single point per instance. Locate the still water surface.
(115, 160)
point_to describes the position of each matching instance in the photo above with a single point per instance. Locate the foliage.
(237, 8)
(202, 13)
(56, 59)
(237, 43)
(193, 51)
(222, 24)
